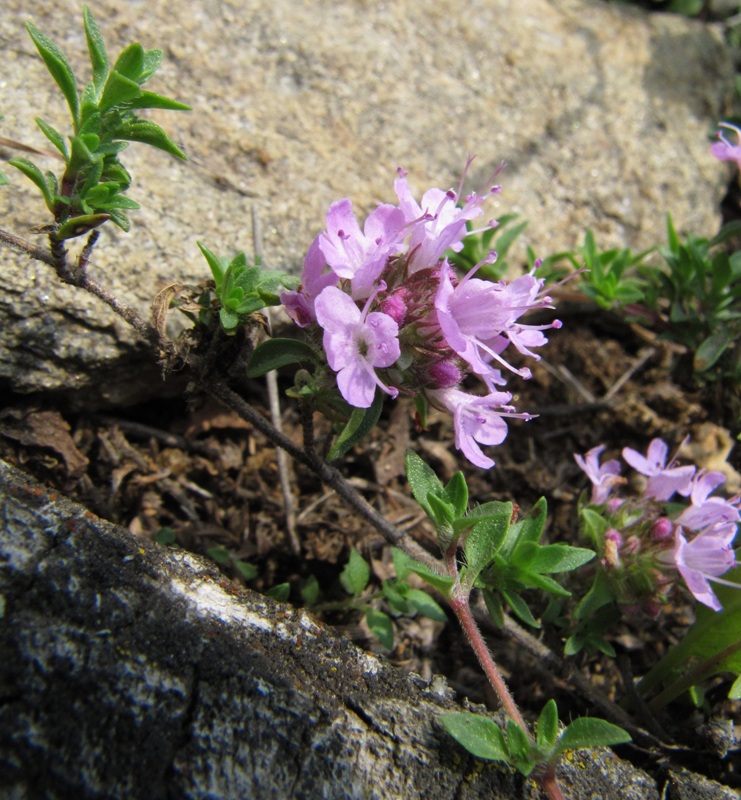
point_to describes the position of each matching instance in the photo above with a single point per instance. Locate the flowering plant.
(648, 542)
(394, 316)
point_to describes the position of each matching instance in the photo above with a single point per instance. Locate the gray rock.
(130, 670)
(600, 111)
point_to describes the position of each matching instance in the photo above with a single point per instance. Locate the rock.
(601, 112)
(130, 670)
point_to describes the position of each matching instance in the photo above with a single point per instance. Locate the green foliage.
(242, 290)
(396, 597)
(711, 646)
(501, 557)
(92, 188)
(225, 558)
(693, 298)
(483, 738)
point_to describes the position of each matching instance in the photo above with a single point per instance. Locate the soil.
(197, 470)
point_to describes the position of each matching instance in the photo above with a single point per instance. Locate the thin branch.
(26, 248)
(327, 474)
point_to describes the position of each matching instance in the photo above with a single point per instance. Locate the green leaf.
(426, 606)
(405, 564)
(560, 558)
(520, 608)
(276, 353)
(381, 627)
(712, 348)
(229, 320)
(484, 541)
(361, 423)
(219, 554)
(422, 481)
(218, 269)
(165, 536)
(712, 645)
(547, 726)
(310, 591)
(58, 66)
(735, 692)
(354, 577)
(33, 173)
(151, 100)
(442, 512)
(119, 90)
(247, 571)
(130, 63)
(96, 48)
(53, 136)
(280, 592)
(152, 62)
(148, 133)
(79, 226)
(534, 524)
(590, 732)
(518, 744)
(482, 737)
(494, 607)
(457, 493)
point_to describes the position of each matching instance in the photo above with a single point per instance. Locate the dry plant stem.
(282, 458)
(328, 475)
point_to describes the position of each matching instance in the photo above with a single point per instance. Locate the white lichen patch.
(209, 599)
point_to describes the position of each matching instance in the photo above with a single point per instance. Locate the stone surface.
(601, 112)
(129, 670)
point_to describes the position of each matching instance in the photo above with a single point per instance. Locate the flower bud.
(662, 529)
(444, 375)
(395, 306)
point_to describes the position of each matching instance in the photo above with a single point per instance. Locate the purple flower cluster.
(394, 315)
(723, 149)
(645, 541)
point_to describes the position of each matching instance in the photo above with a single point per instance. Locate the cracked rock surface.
(129, 670)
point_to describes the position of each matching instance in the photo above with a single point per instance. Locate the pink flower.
(705, 558)
(299, 305)
(603, 477)
(478, 319)
(437, 223)
(360, 256)
(476, 420)
(723, 149)
(356, 344)
(706, 510)
(663, 480)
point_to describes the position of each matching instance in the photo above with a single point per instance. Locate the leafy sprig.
(91, 190)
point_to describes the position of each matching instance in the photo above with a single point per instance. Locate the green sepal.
(276, 353)
(361, 423)
(58, 66)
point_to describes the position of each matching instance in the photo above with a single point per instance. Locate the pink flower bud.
(395, 306)
(444, 375)
(662, 529)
